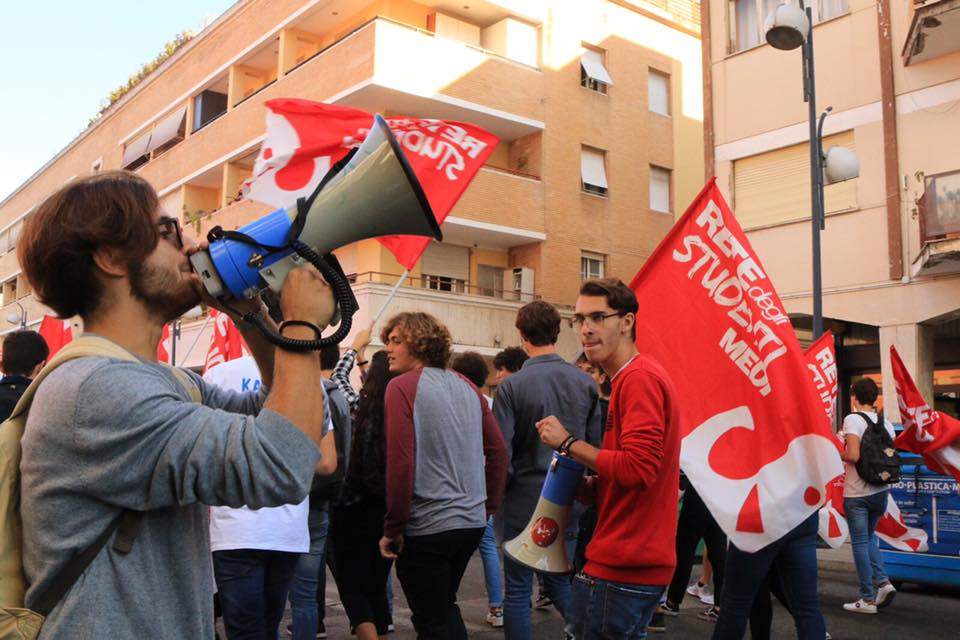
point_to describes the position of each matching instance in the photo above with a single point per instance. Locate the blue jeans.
(795, 556)
(306, 577)
(863, 514)
(604, 610)
(491, 566)
(519, 589)
(253, 591)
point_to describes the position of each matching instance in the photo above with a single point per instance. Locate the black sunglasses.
(170, 229)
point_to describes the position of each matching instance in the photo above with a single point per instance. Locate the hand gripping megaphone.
(370, 193)
(541, 544)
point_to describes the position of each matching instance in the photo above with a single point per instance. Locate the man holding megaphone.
(631, 557)
(113, 441)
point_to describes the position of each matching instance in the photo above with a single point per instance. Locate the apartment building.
(890, 69)
(598, 105)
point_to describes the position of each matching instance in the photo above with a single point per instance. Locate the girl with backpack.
(871, 464)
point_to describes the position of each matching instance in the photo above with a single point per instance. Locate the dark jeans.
(795, 556)
(696, 523)
(360, 571)
(430, 568)
(518, 580)
(253, 588)
(306, 610)
(761, 616)
(604, 610)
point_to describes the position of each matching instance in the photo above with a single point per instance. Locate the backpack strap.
(870, 423)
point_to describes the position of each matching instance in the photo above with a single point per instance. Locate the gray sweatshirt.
(105, 435)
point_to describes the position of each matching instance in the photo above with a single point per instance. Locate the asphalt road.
(917, 613)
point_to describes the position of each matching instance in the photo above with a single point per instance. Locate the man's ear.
(110, 262)
(631, 321)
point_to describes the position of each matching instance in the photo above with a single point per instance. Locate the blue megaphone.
(372, 192)
(540, 545)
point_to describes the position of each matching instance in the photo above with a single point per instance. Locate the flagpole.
(393, 292)
(197, 338)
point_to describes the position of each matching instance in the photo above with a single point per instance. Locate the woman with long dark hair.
(357, 523)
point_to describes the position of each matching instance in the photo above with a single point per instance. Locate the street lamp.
(18, 318)
(787, 27)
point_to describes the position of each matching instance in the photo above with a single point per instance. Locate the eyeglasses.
(170, 231)
(594, 319)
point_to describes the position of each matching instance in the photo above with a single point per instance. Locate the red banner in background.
(932, 434)
(226, 343)
(754, 440)
(56, 332)
(305, 138)
(165, 346)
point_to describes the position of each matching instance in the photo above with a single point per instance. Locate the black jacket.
(11, 388)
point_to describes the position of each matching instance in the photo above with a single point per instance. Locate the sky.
(61, 58)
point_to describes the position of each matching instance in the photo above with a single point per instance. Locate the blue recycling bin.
(928, 501)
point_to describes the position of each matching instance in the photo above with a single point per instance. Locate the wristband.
(564, 448)
(300, 323)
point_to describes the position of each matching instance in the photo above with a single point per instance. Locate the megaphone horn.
(376, 193)
(540, 545)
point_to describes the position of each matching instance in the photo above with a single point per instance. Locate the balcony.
(934, 31)
(939, 212)
(382, 66)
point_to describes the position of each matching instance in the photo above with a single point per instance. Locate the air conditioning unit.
(518, 284)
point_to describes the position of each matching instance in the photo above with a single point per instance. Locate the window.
(444, 283)
(593, 73)
(832, 9)
(490, 280)
(135, 153)
(774, 187)
(940, 206)
(660, 189)
(168, 132)
(658, 92)
(207, 107)
(9, 291)
(591, 265)
(593, 174)
(747, 18)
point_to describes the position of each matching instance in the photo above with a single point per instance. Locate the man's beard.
(164, 293)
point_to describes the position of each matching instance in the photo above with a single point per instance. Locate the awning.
(591, 168)
(136, 149)
(168, 129)
(592, 63)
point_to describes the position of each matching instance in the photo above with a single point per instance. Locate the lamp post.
(20, 318)
(787, 27)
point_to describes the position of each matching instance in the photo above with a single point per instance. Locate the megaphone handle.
(342, 293)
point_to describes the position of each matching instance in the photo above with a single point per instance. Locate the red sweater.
(638, 472)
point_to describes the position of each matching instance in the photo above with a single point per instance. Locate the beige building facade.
(598, 105)
(890, 70)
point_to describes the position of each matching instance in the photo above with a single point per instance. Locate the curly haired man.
(446, 471)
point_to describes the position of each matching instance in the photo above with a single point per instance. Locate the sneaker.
(542, 602)
(321, 631)
(702, 591)
(658, 623)
(495, 617)
(669, 609)
(710, 615)
(391, 628)
(861, 606)
(885, 595)
(828, 636)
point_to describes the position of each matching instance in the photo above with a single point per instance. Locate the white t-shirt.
(853, 485)
(271, 528)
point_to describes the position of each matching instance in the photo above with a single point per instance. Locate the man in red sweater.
(631, 557)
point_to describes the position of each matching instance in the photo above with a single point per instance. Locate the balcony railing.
(441, 284)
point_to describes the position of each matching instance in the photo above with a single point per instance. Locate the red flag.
(822, 362)
(754, 440)
(226, 344)
(164, 347)
(56, 332)
(932, 434)
(304, 139)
